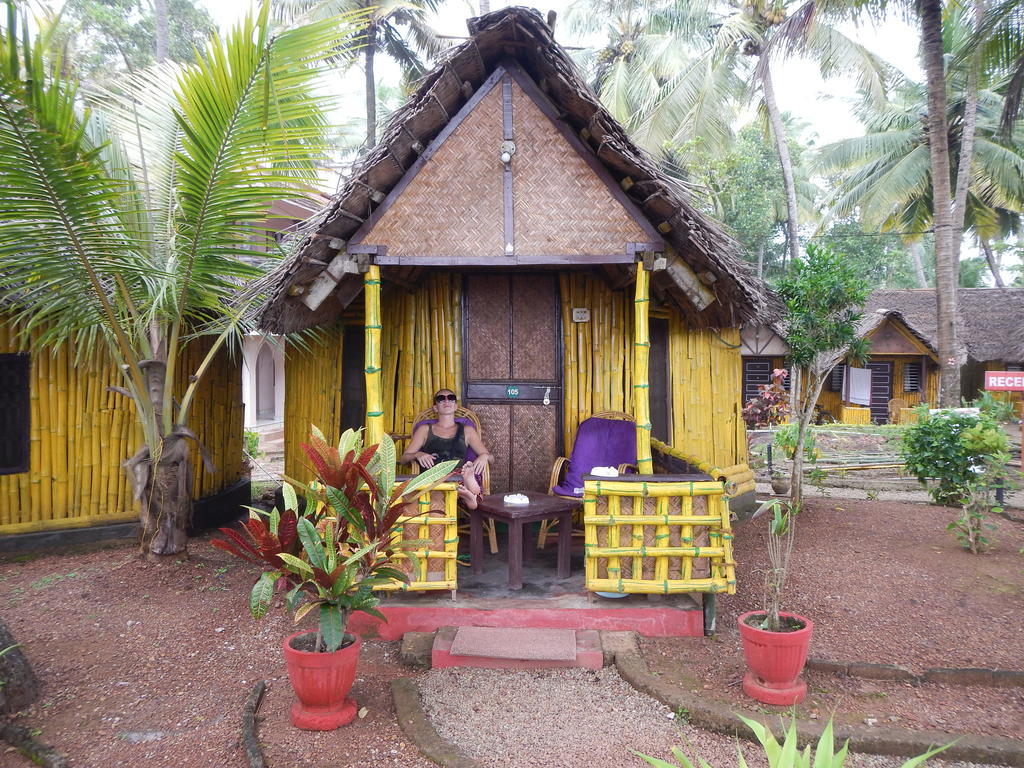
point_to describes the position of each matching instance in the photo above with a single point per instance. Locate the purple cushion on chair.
(599, 443)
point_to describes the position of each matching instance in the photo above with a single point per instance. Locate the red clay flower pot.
(321, 682)
(776, 660)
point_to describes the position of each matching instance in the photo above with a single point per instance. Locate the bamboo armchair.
(562, 464)
(895, 406)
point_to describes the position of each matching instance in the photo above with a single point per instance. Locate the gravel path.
(575, 718)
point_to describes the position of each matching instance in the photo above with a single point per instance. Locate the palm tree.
(648, 78)
(125, 228)
(397, 28)
(885, 176)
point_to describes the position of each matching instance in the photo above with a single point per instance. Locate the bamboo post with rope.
(374, 398)
(641, 377)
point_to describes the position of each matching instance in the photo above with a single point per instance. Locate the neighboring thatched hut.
(64, 435)
(510, 229)
(901, 326)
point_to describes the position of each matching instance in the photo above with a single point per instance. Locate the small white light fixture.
(506, 157)
(507, 149)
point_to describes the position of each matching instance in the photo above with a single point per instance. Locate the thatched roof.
(991, 319)
(871, 321)
(522, 35)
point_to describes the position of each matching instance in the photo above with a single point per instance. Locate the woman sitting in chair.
(447, 439)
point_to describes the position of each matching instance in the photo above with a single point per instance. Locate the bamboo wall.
(422, 347)
(312, 395)
(1017, 398)
(80, 433)
(705, 368)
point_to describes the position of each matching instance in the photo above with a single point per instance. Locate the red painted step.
(516, 648)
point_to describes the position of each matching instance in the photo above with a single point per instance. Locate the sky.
(825, 106)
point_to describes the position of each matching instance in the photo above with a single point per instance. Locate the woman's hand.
(480, 463)
(425, 460)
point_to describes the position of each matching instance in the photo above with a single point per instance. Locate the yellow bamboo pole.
(641, 386)
(374, 399)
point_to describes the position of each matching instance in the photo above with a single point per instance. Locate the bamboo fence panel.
(312, 396)
(434, 566)
(641, 380)
(80, 432)
(649, 537)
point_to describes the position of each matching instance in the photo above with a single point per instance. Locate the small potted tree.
(775, 642)
(332, 554)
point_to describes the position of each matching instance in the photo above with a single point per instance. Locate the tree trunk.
(485, 7)
(162, 34)
(946, 268)
(915, 248)
(760, 261)
(164, 488)
(993, 265)
(806, 412)
(779, 132)
(970, 120)
(371, 91)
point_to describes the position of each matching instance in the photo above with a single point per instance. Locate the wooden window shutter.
(912, 378)
(835, 379)
(14, 413)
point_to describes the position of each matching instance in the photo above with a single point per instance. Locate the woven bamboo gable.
(560, 206)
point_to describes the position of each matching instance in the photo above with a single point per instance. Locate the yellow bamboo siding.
(703, 368)
(217, 417)
(641, 379)
(80, 432)
(312, 396)
(434, 565)
(597, 357)
(649, 537)
(421, 348)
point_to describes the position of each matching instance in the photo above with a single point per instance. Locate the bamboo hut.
(64, 434)
(901, 326)
(507, 240)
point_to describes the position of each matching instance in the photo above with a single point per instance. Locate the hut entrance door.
(881, 391)
(512, 374)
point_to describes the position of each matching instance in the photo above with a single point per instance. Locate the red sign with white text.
(1004, 381)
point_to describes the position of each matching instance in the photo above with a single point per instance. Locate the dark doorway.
(757, 371)
(661, 405)
(353, 377)
(881, 391)
(512, 374)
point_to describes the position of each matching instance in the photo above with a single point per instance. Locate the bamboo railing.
(650, 536)
(434, 566)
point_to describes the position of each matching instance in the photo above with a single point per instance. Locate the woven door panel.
(455, 204)
(534, 327)
(534, 446)
(487, 302)
(495, 419)
(561, 205)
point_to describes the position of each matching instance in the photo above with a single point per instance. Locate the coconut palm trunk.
(946, 267)
(779, 133)
(162, 29)
(371, 89)
(967, 132)
(993, 265)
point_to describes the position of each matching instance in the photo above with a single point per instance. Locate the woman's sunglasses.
(442, 398)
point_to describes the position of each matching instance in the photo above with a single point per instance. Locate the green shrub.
(787, 754)
(999, 407)
(951, 448)
(252, 443)
(785, 440)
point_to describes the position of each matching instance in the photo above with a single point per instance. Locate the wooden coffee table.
(540, 507)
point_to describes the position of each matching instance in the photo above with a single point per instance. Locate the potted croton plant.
(775, 642)
(332, 554)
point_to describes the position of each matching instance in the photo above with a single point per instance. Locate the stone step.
(516, 648)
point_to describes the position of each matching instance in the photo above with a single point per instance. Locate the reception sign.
(1004, 381)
